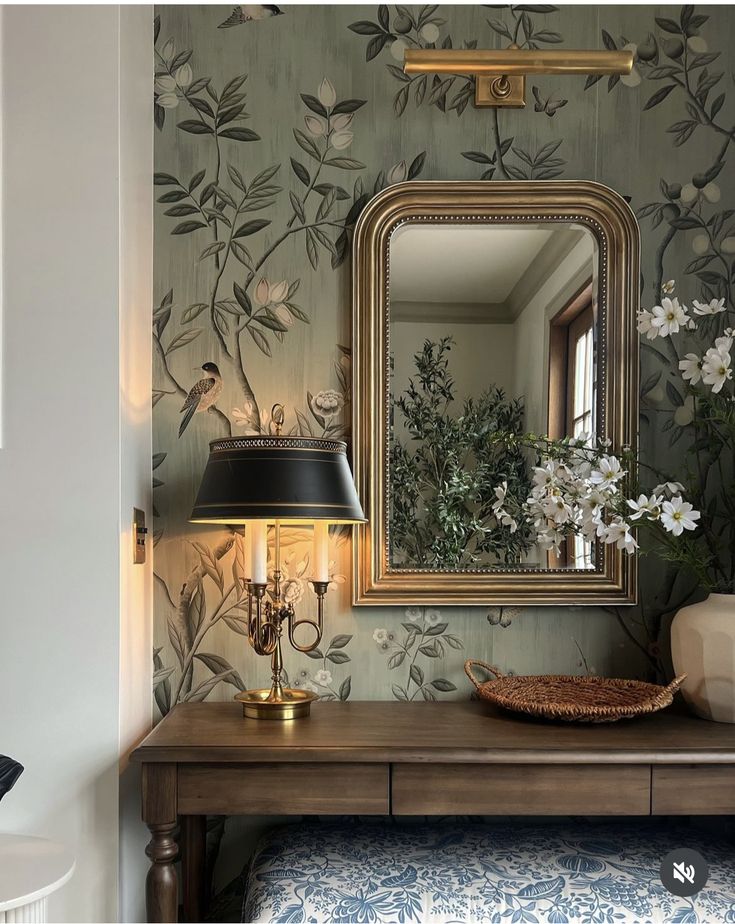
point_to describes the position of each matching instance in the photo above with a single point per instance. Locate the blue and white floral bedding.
(373, 873)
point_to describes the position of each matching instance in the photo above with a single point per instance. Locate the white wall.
(70, 417)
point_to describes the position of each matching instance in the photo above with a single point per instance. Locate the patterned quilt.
(387, 872)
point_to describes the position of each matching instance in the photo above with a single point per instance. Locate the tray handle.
(471, 662)
(675, 684)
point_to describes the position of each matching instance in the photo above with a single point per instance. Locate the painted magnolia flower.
(714, 307)
(646, 506)
(184, 76)
(327, 94)
(618, 532)
(380, 636)
(328, 403)
(716, 369)
(397, 173)
(341, 140)
(323, 678)
(608, 473)
(341, 121)
(292, 590)
(283, 315)
(315, 125)
(669, 317)
(678, 515)
(691, 368)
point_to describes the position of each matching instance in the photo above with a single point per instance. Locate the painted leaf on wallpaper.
(270, 140)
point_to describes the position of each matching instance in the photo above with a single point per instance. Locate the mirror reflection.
(492, 328)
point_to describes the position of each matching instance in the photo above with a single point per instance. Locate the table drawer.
(521, 789)
(282, 789)
(689, 789)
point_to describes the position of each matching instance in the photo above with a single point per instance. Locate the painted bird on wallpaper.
(250, 14)
(202, 395)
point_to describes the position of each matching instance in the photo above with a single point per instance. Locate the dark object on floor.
(465, 871)
(10, 770)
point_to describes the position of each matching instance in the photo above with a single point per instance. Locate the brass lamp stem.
(265, 631)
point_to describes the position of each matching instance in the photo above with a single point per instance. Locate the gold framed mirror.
(478, 307)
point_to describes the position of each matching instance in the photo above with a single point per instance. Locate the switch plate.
(139, 534)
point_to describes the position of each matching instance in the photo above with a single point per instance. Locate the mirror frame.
(615, 228)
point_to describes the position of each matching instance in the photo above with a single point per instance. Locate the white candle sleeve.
(321, 551)
(259, 552)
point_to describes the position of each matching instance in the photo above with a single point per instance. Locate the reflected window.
(573, 392)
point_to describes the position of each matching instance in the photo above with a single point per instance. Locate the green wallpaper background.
(272, 310)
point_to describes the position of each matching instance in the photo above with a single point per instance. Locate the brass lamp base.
(268, 704)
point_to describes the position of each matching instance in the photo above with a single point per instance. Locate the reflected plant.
(443, 505)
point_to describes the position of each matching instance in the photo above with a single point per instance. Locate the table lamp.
(258, 481)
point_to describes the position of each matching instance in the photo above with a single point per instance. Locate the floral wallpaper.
(275, 125)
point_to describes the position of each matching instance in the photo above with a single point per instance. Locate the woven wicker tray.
(573, 699)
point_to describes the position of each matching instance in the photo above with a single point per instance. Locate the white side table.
(30, 869)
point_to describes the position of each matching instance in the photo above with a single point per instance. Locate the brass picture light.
(500, 75)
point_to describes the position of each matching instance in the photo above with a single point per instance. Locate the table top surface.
(468, 731)
(30, 868)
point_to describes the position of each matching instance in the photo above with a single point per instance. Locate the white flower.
(315, 125)
(713, 307)
(716, 369)
(380, 636)
(184, 76)
(609, 471)
(646, 506)
(724, 344)
(669, 487)
(691, 368)
(328, 403)
(327, 94)
(413, 613)
(679, 515)
(341, 140)
(669, 316)
(645, 325)
(619, 532)
(323, 678)
(433, 615)
(668, 287)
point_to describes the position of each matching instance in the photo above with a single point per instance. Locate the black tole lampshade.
(277, 478)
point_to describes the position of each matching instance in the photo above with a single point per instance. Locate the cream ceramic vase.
(703, 648)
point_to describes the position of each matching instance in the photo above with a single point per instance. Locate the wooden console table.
(381, 758)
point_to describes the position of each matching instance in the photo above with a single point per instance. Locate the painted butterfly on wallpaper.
(250, 13)
(549, 104)
(502, 615)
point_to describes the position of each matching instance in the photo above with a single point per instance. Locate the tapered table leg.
(161, 884)
(193, 862)
(159, 813)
